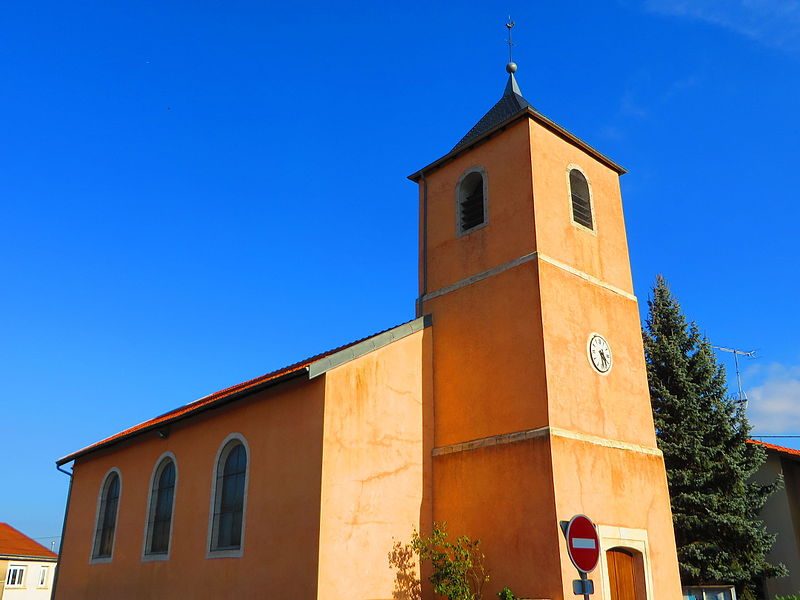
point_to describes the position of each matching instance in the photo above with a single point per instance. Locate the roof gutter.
(63, 529)
(212, 405)
(19, 557)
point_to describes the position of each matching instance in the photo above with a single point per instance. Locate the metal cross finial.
(510, 24)
(511, 67)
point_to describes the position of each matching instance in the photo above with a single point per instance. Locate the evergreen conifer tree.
(703, 434)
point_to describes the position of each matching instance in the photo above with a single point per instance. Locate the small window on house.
(16, 576)
(107, 517)
(581, 200)
(159, 521)
(229, 491)
(43, 572)
(471, 202)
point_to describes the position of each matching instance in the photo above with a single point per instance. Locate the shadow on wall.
(407, 585)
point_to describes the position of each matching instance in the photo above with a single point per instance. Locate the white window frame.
(19, 580)
(238, 552)
(100, 506)
(44, 576)
(148, 532)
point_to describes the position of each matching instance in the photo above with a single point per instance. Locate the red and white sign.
(583, 544)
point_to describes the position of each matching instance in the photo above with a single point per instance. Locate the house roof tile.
(16, 544)
(788, 452)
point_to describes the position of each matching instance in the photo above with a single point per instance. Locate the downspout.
(420, 311)
(63, 530)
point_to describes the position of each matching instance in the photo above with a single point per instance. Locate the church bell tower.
(540, 398)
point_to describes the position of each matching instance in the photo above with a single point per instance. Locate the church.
(516, 399)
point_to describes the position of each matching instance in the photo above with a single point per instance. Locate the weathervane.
(511, 67)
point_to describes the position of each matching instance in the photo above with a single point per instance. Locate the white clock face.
(599, 353)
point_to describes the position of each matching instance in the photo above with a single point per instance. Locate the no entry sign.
(583, 544)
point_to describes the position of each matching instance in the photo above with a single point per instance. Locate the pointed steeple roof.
(509, 108)
(509, 105)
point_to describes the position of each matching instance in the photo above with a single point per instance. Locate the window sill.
(582, 227)
(155, 557)
(466, 232)
(233, 553)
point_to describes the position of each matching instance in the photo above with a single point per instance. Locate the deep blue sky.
(196, 193)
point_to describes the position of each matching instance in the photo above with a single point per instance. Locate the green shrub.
(458, 571)
(506, 594)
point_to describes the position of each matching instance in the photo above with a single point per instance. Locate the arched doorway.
(625, 574)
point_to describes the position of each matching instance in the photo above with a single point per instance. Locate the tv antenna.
(736, 353)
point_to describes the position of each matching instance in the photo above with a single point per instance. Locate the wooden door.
(622, 574)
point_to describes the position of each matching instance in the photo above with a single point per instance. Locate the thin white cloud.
(775, 23)
(774, 406)
(630, 107)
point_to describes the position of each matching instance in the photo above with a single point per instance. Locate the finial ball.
(511, 67)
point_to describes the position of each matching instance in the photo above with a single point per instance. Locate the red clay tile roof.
(791, 452)
(15, 543)
(212, 400)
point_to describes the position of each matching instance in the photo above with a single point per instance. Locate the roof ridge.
(510, 103)
(287, 368)
(213, 398)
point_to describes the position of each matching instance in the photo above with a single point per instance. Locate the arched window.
(159, 515)
(107, 517)
(581, 199)
(471, 201)
(229, 497)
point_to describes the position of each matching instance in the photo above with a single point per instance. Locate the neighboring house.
(781, 515)
(26, 567)
(516, 399)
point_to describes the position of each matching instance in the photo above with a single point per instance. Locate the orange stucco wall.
(489, 355)
(344, 464)
(376, 466)
(489, 360)
(620, 488)
(510, 356)
(282, 506)
(602, 254)
(506, 160)
(616, 405)
(339, 468)
(504, 496)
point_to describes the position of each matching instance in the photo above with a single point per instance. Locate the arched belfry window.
(107, 516)
(471, 196)
(159, 514)
(581, 199)
(230, 488)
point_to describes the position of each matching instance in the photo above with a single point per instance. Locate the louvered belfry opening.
(471, 202)
(581, 202)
